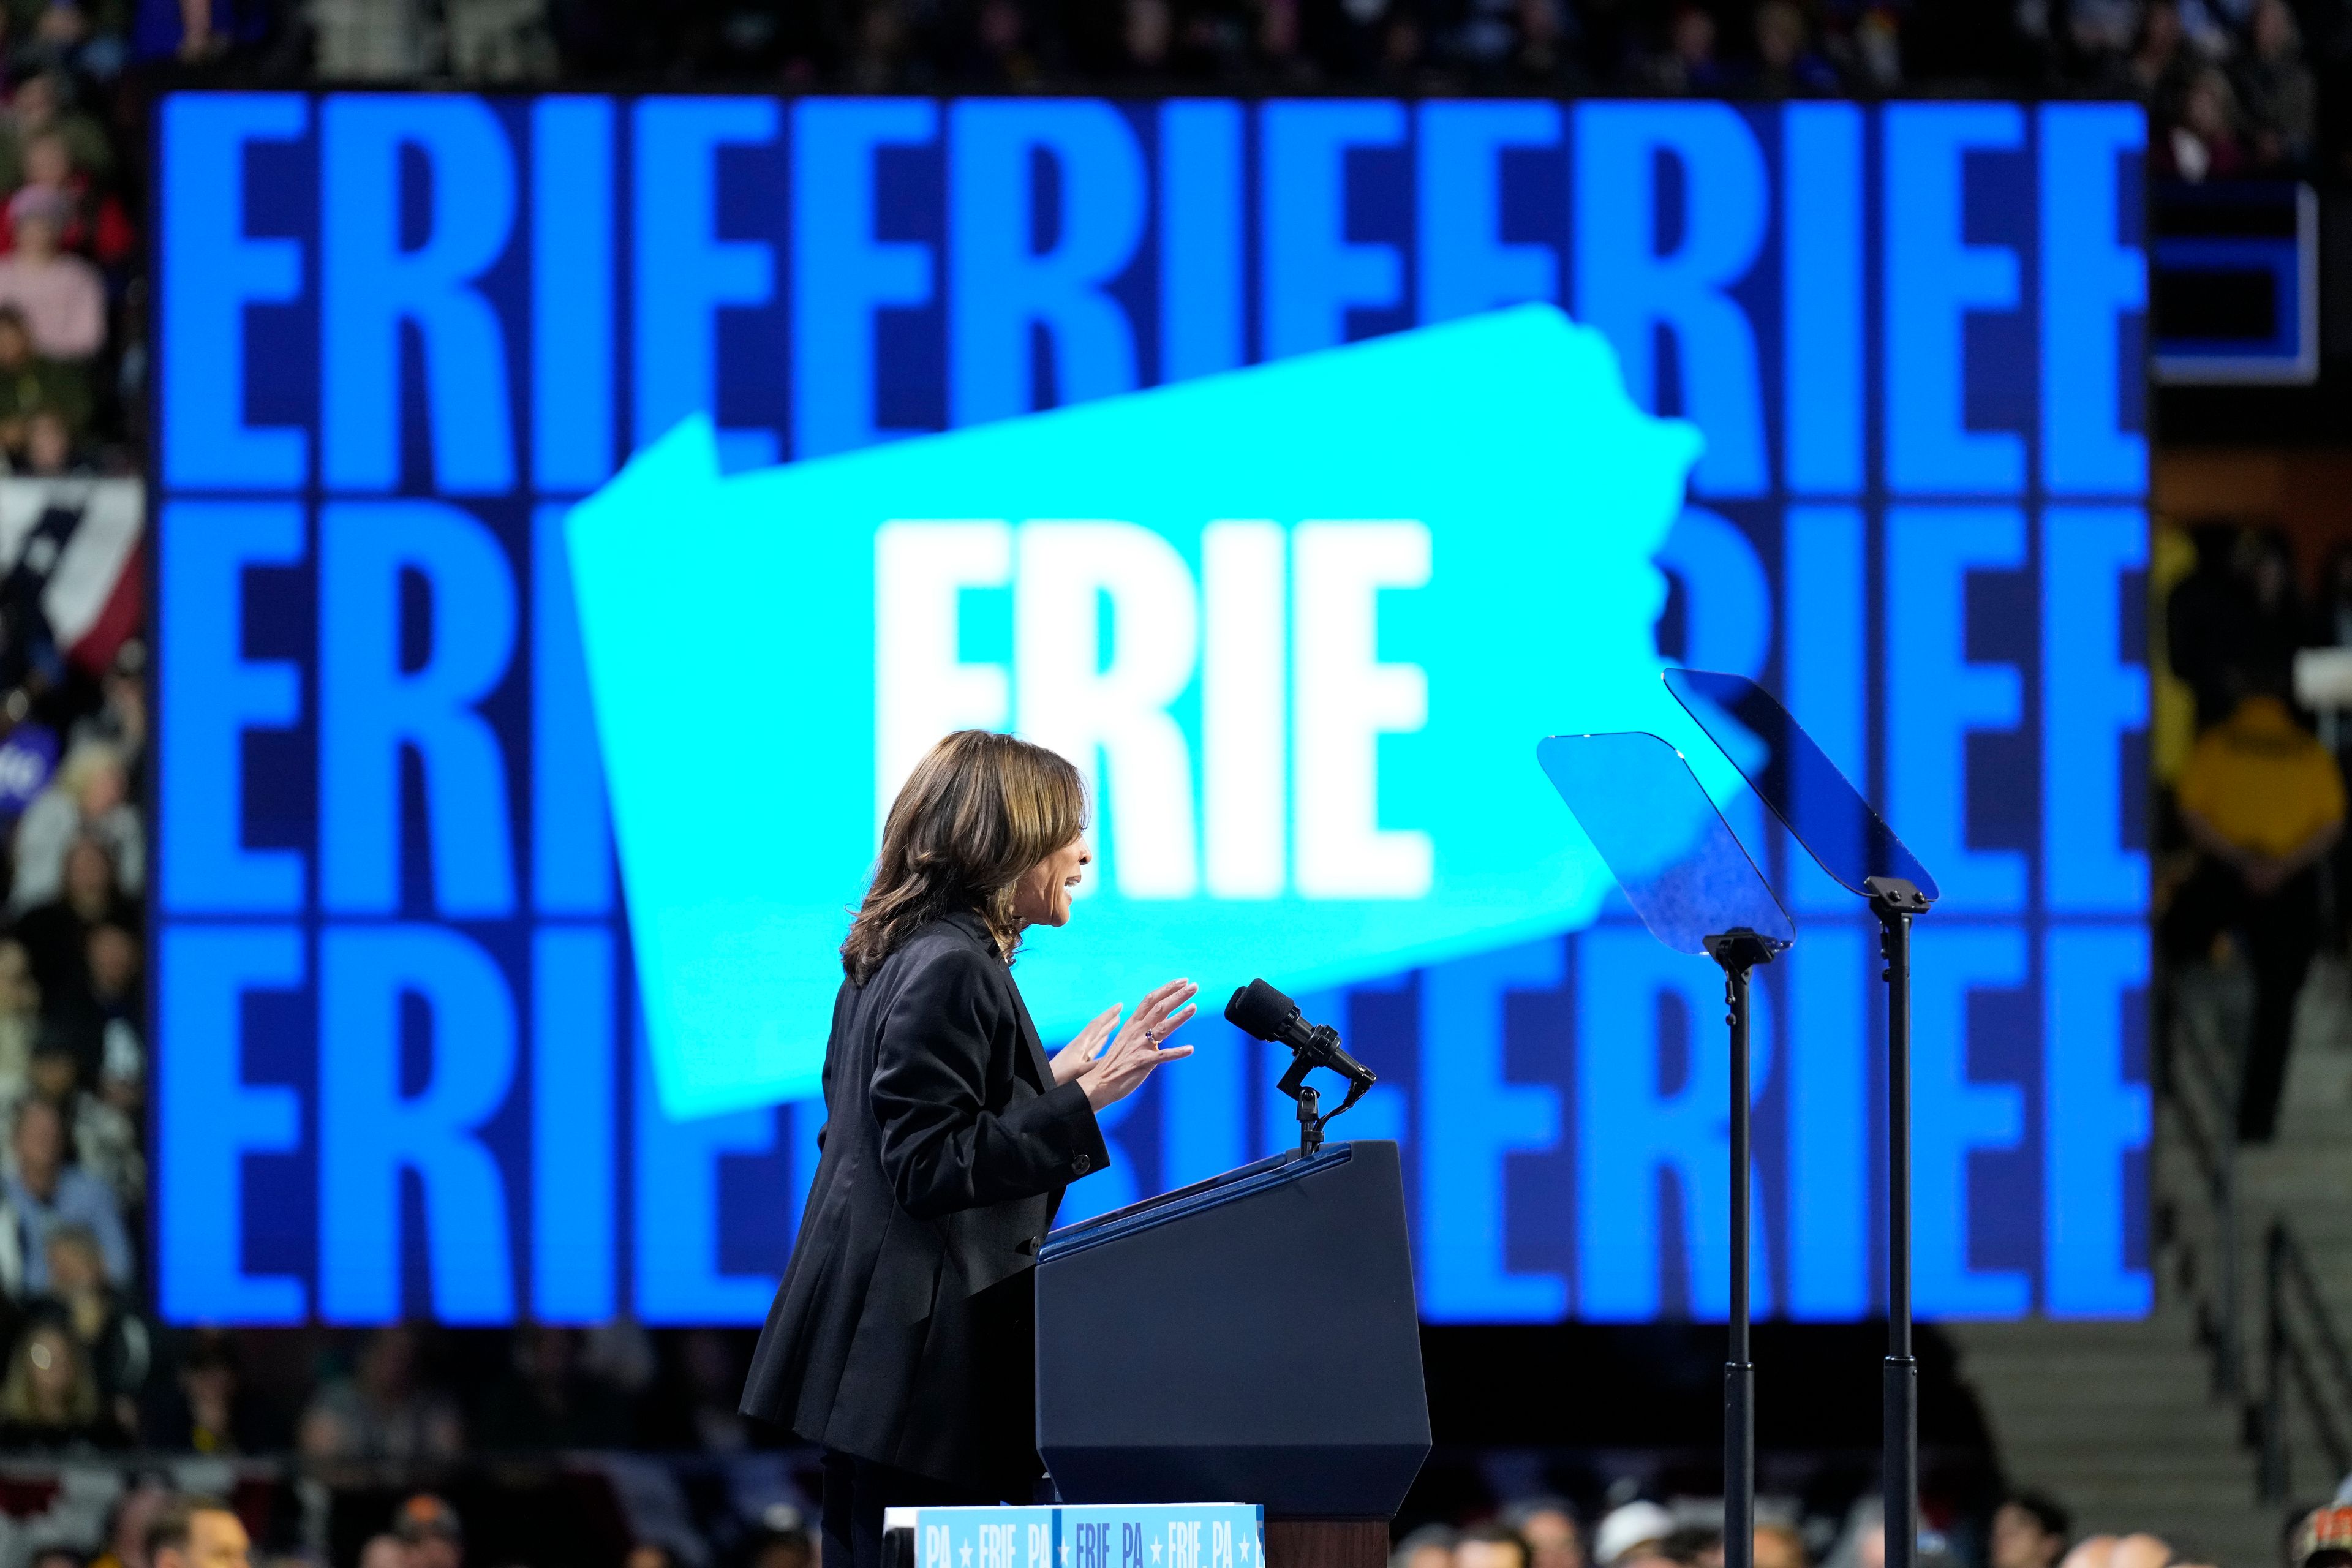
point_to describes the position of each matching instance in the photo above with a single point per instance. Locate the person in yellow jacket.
(2262, 802)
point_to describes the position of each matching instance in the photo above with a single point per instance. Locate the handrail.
(2214, 1145)
(2286, 1270)
(2303, 1351)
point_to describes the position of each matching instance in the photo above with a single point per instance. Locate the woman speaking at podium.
(901, 1337)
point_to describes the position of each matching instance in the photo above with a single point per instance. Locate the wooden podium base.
(1326, 1543)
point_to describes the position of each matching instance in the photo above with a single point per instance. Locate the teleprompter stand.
(1696, 891)
(1739, 952)
(1838, 828)
(1895, 901)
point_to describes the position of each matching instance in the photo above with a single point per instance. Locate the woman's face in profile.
(1042, 897)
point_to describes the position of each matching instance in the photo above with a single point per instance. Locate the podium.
(1253, 1338)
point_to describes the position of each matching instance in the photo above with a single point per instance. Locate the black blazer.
(902, 1331)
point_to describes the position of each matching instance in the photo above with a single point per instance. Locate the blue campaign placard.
(1114, 1535)
(1161, 1535)
(985, 1538)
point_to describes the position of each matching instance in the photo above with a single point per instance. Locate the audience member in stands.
(2204, 143)
(56, 1557)
(56, 940)
(2161, 62)
(2123, 1552)
(2280, 95)
(1780, 1546)
(50, 1397)
(95, 224)
(384, 1409)
(49, 1192)
(548, 1398)
(430, 1528)
(1689, 64)
(121, 718)
(65, 38)
(2208, 622)
(112, 959)
(2323, 1538)
(1862, 1543)
(29, 384)
(2329, 624)
(49, 447)
(20, 1020)
(2279, 619)
(1430, 1546)
(1632, 1533)
(2102, 35)
(205, 1407)
(384, 1551)
(368, 40)
(43, 104)
(198, 1533)
(783, 1542)
(1543, 60)
(105, 1141)
(1549, 1526)
(1789, 67)
(1491, 1545)
(2029, 1530)
(144, 1499)
(119, 1343)
(61, 295)
(2262, 802)
(1694, 1546)
(88, 798)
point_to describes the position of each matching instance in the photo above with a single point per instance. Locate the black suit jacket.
(902, 1331)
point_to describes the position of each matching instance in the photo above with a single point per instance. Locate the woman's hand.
(1080, 1054)
(1129, 1059)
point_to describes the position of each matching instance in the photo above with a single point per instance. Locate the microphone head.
(1258, 1009)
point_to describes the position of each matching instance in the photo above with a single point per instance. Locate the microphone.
(1259, 1010)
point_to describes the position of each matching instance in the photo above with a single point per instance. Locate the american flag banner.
(72, 546)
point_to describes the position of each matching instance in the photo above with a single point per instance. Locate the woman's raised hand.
(1119, 1069)
(1080, 1054)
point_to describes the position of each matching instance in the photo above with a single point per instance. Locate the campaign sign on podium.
(1097, 1535)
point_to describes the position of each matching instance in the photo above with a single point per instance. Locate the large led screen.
(575, 515)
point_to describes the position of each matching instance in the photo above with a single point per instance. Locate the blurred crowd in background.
(150, 1524)
(2024, 1530)
(2249, 88)
(2237, 85)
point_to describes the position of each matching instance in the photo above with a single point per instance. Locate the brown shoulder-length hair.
(977, 811)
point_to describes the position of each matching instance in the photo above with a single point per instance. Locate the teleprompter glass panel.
(1661, 838)
(1796, 778)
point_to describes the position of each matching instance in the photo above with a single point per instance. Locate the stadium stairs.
(2159, 1424)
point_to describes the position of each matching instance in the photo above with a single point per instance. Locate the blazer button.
(1083, 1163)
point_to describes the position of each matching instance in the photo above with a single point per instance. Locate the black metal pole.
(1894, 901)
(1737, 951)
(1738, 1371)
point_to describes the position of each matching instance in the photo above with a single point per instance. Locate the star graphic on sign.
(1065, 1553)
(1245, 1548)
(1155, 1552)
(967, 1554)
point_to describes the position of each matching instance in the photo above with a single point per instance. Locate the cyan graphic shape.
(730, 632)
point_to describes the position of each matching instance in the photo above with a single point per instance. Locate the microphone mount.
(1294, 1084)
(1258, 1009)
